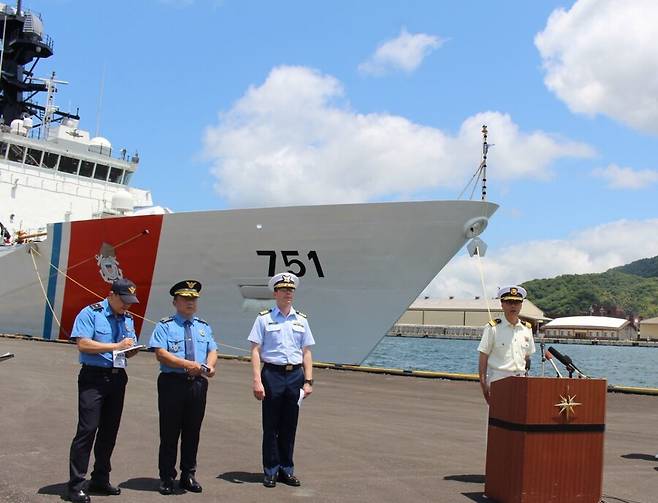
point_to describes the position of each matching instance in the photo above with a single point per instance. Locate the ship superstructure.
(50, 169)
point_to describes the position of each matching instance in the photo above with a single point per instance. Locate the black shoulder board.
(201, 321)
(266, 311)
(302, 314)
(167, 319)
(527, 324)
(495, 322)
(97, 307)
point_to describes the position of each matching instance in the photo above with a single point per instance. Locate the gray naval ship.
(73, 224)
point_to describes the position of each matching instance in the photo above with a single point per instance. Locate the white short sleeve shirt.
(507, 345)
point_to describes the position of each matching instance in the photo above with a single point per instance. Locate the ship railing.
(48, 41)
(107, 152)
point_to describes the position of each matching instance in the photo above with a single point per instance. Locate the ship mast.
(481, 172)
(24, 43)
(483, 165)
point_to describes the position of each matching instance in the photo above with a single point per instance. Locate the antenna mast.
(50, 108)
(483, 166)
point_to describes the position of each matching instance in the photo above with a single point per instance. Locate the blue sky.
(243, 103)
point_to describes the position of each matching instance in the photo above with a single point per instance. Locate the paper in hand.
(119, 356)
(301, 397)
(131, 348)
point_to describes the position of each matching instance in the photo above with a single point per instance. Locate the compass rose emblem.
(567, 405)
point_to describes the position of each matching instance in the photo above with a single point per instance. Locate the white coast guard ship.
(76, 224)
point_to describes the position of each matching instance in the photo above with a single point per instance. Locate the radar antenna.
(24, 44)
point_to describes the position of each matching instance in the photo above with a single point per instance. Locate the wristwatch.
(308, 381)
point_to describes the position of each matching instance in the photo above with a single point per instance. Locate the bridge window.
(86, 169)
(127, 176)
(49, 160)
(101, 172)
(3, 149)
(16, 153)
(115, 175)
(68, 165)
(33, 157)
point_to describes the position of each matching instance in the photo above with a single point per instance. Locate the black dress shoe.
(103, 488)
(189, 483)
(269, 481)
(166, 487)
(290, 480)
(77, 496)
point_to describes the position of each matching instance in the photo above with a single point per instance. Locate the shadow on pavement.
(477, 497)
(141, 484)
(241, 477)
(643, 457)
(470, 479)
(54, 490)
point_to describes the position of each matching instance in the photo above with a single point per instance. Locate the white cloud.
(601, 57)
(295, 130)
(591, 250)
(626, 178)
(405, 52)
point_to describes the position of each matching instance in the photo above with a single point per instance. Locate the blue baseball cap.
(125, 289)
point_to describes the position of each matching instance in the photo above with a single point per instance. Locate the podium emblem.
(567, 405)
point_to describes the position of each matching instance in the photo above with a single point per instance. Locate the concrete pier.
(362, 437)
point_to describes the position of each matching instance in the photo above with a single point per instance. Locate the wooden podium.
(545, 440)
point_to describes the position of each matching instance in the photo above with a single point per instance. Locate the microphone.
(565, 360)
(549, 357)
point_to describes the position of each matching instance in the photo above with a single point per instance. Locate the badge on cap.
(186, 288)
(283, 280)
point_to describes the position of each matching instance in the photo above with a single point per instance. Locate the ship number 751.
(295, 265)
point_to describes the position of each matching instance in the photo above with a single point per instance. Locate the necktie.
(189, 341)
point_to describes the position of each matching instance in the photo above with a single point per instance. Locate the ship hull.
(361, 265)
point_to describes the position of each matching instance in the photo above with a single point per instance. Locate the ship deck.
(362, 437)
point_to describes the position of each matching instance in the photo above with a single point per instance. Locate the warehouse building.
(590, 327)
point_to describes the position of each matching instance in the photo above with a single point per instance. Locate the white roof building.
(463, 312)
(590, 327)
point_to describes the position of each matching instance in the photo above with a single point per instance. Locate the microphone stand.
(542, 346)
(557, 372)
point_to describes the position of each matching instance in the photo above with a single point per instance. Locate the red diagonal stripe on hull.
(136, 259)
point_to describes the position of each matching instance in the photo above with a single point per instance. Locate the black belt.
(283, 368)
(180, 375)
(101, 370)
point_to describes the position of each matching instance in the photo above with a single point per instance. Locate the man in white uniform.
(506, 344)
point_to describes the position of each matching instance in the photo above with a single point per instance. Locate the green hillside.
(632, 288)
(646, 267)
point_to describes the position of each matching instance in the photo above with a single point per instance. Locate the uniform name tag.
(298, 328)
(118, 360)
(271, 328)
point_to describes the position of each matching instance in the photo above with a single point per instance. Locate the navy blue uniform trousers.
(100, 404)
(280, 413)
(182, 405)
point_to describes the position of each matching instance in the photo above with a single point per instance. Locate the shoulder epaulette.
(527, 324)
(495, 322)
(128, 315)
(201, 321)
(301, 314)
(167, 319)
(97, 307)
(266, 311)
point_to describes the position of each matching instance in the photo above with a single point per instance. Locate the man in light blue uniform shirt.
(99, 330)
(281, 338)
(187, 353)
